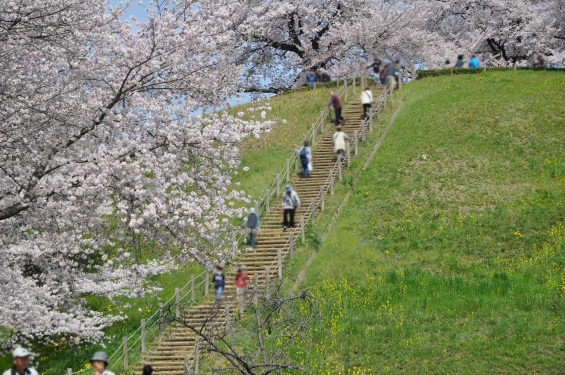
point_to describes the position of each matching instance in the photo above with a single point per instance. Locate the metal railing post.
(312, 208)
(256, 289)
(207, 276)
(228, 320)
(313, 131)
(302, 228)
(339, 174)
(356, 141)
(322, 121)
(143, 336)
(177, 303)
(192, 287)
(266, 200)
(296, 160)
(379, 108)
(291, 241)
(348, 154)
(332, 181)
(287, 166)
(160, 318)
(267, 282)
(322, 194)
(280, 263)
(196, 357)
(370, 121)
(278, 186)
(125, 346)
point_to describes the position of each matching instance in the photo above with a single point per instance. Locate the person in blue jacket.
(474, 62)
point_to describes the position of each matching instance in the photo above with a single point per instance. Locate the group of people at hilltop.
(473, 63)
(536, 60)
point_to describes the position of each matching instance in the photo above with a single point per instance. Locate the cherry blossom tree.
(399, 29)
(505, 32)
(107, 176)
(277, 40)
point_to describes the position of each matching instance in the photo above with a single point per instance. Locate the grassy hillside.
(449, 256)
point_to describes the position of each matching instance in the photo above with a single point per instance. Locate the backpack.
(251, 221)
(304, 156)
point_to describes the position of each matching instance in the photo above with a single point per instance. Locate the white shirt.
(339, 141)
(366, 97)
(30, 371)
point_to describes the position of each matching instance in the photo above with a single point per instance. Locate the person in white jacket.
(340, 141)
(290, 202)
(366, 100)
(20, 358)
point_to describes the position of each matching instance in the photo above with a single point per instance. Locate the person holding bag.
(306, 159)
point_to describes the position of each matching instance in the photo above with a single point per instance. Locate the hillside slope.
(449, 256)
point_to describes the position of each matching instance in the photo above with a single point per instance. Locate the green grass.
(265, 157)
(449, 256)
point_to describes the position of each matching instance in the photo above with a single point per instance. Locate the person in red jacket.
(240, 283)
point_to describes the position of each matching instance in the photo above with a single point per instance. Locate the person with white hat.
(99, 362)
(20, 358)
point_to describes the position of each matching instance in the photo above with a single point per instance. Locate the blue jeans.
(253, 237)
(219, 291)
(305, 170)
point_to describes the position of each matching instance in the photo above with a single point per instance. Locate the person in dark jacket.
(334, 101)
(460, 63)
(252, 224)
(219, 280)
(305, 155)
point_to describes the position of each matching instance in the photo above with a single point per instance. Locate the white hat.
(20, 352)
(100, 356)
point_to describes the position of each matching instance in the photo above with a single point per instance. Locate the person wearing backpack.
(219, 280)
(252, 224)
(290, 202)
(366, 100)
(306, 159)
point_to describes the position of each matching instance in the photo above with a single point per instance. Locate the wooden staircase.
(168, 357)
